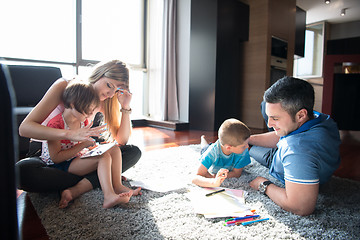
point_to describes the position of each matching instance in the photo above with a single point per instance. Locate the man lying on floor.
(302, 151)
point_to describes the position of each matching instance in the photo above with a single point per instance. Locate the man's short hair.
(293, 94)
(81, 95)
(233, 132)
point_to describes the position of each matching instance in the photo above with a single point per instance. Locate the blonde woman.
(110, 80)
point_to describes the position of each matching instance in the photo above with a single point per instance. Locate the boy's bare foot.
(115, 199)
(66, 197)
(203, 142)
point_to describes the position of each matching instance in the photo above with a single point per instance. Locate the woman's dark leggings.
(33, 175)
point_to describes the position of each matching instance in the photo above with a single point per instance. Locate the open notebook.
(229, 203)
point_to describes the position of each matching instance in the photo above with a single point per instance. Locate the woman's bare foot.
(115, 199)
(66, 197)
(123, 188)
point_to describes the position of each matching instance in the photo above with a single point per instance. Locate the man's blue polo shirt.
(310, 154)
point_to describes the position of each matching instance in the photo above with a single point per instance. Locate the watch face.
(262, 187)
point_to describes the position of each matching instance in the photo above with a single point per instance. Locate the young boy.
(226, 157)
(80, 102)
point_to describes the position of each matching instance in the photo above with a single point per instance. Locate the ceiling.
(317, 10)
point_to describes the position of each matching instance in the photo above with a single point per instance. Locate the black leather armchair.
(8, 217)
(30, 84)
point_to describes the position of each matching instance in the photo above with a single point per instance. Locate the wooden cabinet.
(275, 18)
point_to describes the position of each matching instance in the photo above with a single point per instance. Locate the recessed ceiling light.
(343, 12)
(327, 1)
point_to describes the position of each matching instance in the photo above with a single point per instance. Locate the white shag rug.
(169, 215)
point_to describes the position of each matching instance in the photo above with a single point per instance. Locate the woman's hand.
(85, 134)
(124, 98)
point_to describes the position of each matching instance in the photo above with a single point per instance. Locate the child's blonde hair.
(81, 96)
(116, 70)
(233, 132)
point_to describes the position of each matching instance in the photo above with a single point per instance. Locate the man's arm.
(269, 139)
(297, 198)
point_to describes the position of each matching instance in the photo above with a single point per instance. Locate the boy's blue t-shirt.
(214, 159)
(310, 154)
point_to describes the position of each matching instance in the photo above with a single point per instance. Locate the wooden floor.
(147, 139)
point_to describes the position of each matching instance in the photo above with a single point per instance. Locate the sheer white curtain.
(163, 98)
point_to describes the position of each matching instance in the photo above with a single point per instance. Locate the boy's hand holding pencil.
(221, 175)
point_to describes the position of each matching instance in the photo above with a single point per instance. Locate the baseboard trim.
(171, 125)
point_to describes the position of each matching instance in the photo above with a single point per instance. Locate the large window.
(115, 32)
(38, 29)
(311, 65)
(73, 33)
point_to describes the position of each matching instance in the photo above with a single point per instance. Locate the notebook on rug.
(214, 203)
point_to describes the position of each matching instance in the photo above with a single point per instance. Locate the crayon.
(250, 222)
(240, 218)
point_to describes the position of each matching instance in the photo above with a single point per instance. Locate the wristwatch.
(263, 186)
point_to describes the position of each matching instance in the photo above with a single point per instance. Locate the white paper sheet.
(98, 150)
(157, 186)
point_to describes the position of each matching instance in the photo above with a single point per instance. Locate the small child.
(226, 157)
(81, 102)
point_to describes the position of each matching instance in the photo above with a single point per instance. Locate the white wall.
(345, 30)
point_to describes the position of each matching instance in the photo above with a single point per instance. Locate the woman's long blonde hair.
(118, 71)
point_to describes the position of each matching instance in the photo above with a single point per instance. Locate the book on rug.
(228, 203)
(98, 150)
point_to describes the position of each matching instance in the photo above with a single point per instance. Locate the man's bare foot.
(66, 197)
(123, 188)
(115, 199)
